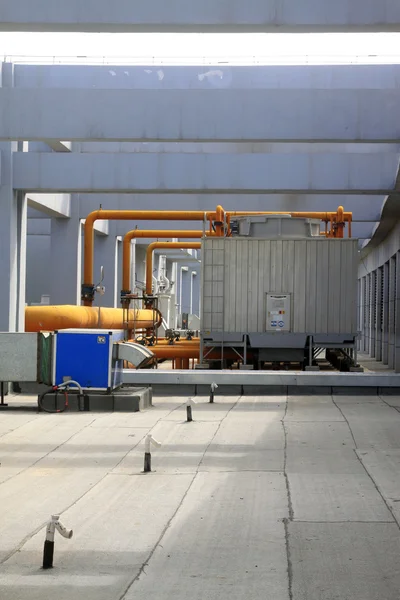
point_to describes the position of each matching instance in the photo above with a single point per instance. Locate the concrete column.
(368, 313)
(117, 271)
(104, 256)
(397, 315)
(65, 260)
(13, 222)
(385, 314)
(140, 268)
(374, 314)
(392, 305)
(364, 314)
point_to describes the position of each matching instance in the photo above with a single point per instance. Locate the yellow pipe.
(149, 233)
(51, 318)
(166, 245)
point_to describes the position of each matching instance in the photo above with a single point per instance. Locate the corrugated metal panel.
(320, 274)
(299, 291)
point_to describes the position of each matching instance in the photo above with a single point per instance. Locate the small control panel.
(278, 312)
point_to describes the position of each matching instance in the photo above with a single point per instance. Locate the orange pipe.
(159, 215)
(220, 221)
(166, 245)
(125, 215)
(175, 352)
(322, 216)
(149, 233)
(51, 318)
(340, 222)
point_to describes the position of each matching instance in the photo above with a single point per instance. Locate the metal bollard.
(213, 388)
(147, 454)
(48, 550)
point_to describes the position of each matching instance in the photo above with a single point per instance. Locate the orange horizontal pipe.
(51, 318)
(127, 215)
(149, 233)
(172, 215)
(322, 216)
(166, 245)
(173, 352)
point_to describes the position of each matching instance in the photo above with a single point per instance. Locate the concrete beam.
(216, 173)
(201, 115)
(206, 77)
(53, 205)
(192, 16)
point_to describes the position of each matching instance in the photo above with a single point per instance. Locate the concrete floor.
(260, 497)
(370, 364)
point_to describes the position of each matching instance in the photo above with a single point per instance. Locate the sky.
(328, 48)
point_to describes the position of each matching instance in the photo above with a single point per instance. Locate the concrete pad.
(116, 526)
(384, 468)
(312, 408)
(321, 448)
(182, 450)
(29, 443)
(351, 561)
(174, 391)
(373, 424)
(251, 438)
(332, 497)
(226, 542)
(59, 480)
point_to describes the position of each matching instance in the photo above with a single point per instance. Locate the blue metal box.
(87, 356)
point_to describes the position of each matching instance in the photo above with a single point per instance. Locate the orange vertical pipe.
(166, 245)
(340, 222)
(219, 221)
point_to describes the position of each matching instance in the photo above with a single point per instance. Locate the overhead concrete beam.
(53, 205)
(206, 173)
(193, 16)
(200, 115)
(203, 77)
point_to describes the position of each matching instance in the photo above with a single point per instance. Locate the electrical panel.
(278, 316)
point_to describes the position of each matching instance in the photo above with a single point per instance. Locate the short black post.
(189, 413)
(147, 462)
(212, 392)
(2, 394)
(48, 550)
(48, 554)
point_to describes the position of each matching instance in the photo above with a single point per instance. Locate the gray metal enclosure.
(318, 274)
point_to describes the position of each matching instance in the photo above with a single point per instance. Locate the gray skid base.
(263, 382)
(125, 400)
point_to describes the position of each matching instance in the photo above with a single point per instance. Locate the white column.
(117, 278)
(65, 260)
